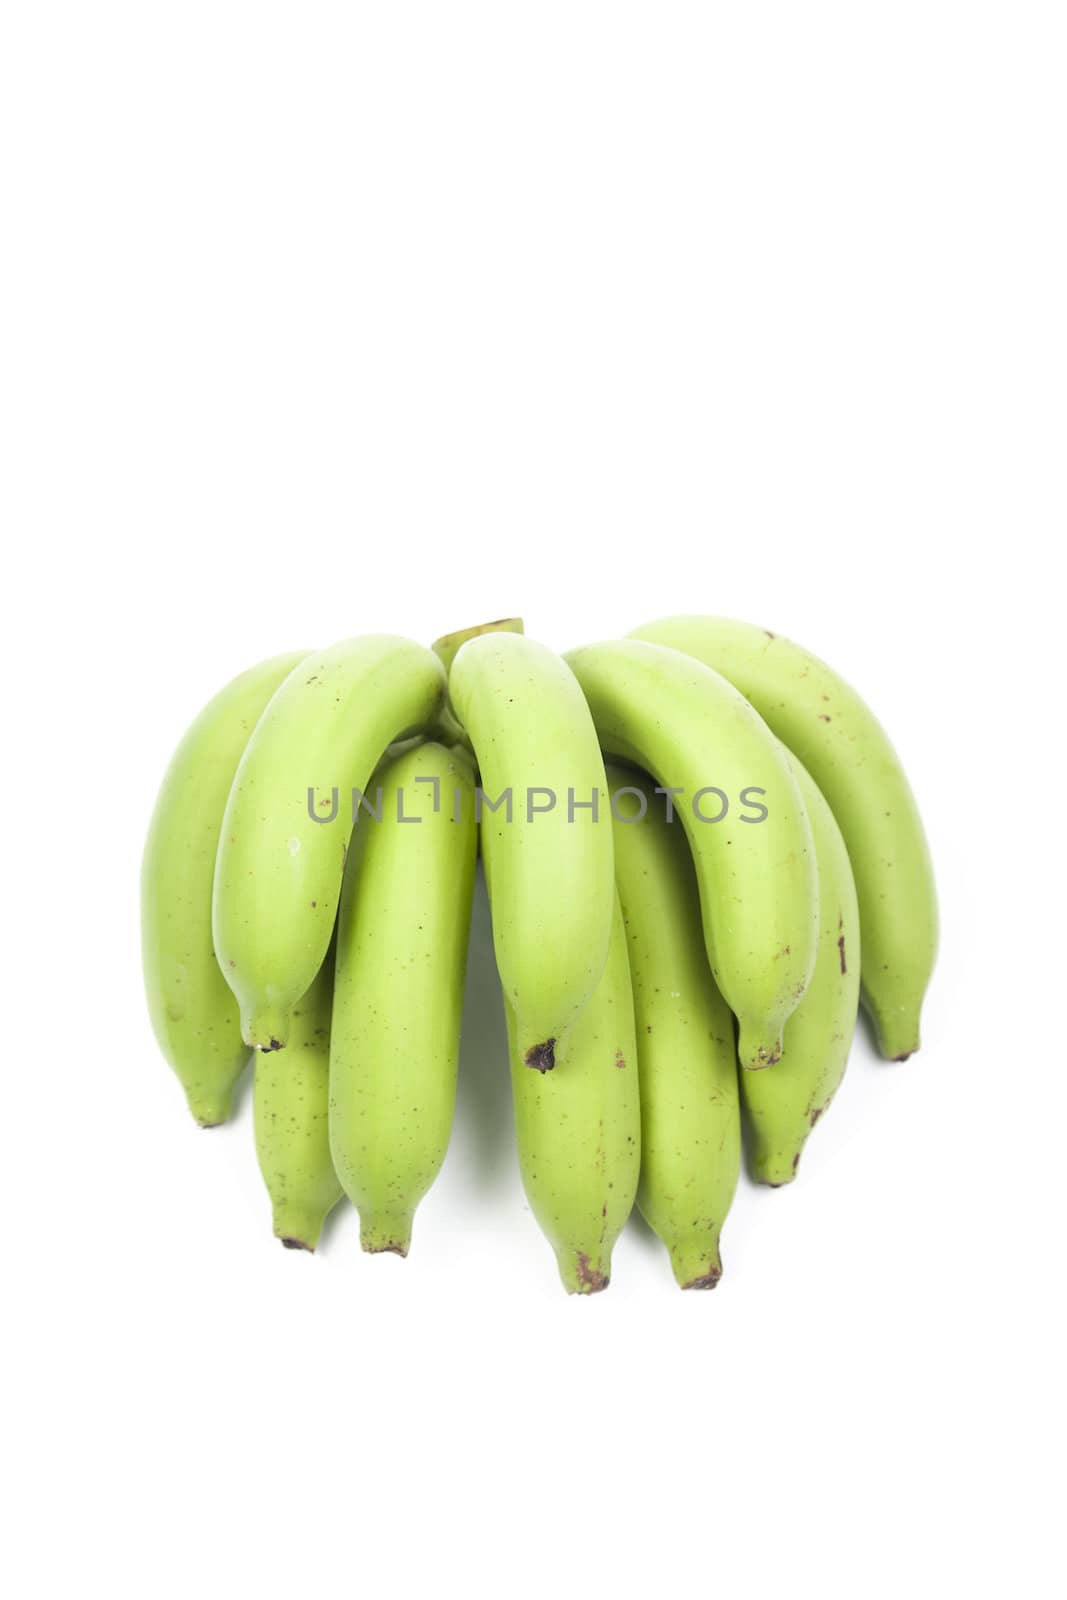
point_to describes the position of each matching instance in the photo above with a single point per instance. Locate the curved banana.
(826, 724)
(193, 1013)
(290, 1102)
(578, 1129)
(758, 891)
(279, 869)
(398, 993)
(784, 1105)
(546, 838)
(687, 1063)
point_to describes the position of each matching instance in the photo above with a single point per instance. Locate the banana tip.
(707, 1280)
(755, 1054)
(585, 1277)
(291, 1242)
(772, 1174)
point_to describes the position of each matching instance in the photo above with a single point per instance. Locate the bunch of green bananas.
(678, 933)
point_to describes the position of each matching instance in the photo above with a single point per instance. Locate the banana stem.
(448, 729)
(447, 647)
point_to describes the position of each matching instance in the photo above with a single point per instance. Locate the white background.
(328, 318)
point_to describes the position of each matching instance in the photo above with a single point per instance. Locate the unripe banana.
(548, 863)
(398, 995)
(784, 1105)
(578, 1129)
(687, 1062)
(826, 724)
(193, 1013)
(291, 1101)
(279, 869)
(758, 892)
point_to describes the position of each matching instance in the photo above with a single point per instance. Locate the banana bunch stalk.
(682, 936)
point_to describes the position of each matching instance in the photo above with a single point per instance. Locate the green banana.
(548, 865)
(579, 1128)
(826, 724)
(784, 1105)
(398, 994)
(687, 1064)
(758, 890)
(279, 869)
(291, 1113)
(193, 1013)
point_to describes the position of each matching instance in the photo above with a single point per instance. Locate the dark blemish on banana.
(620, 1060)
(841, 952)
(590, 1279)
(541, 1057)
(709, 1278)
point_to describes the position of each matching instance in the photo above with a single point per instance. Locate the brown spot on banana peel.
(541, 1057)
(590, 1279)
(620, 1060)
(764, 1058)
(841, 953)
